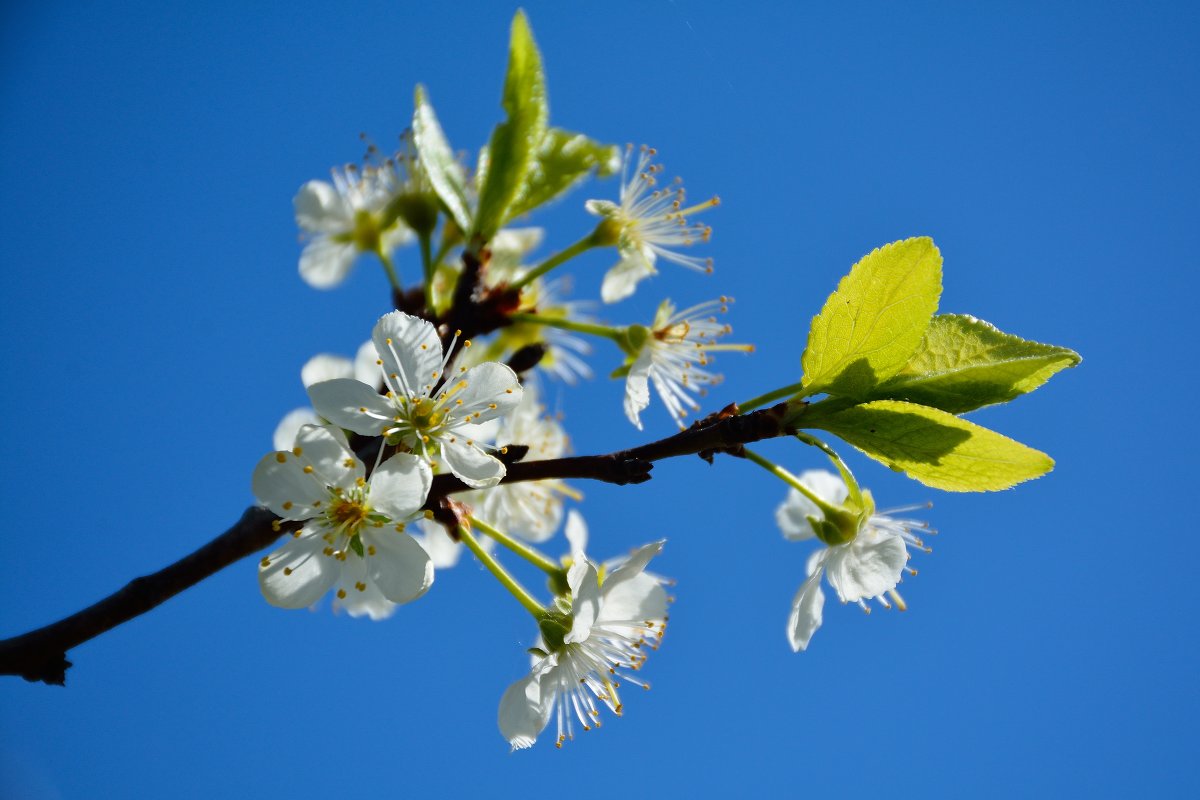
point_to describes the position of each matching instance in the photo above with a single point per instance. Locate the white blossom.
(354, 529)
(324, 367)
(868, 566)
(531, 510)
(673, 354)
(650, 223)
(611, 623)
(424, 409)
(341, 219)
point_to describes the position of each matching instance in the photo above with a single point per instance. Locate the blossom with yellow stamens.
(424, 409)
(649, 222)
(353, 533)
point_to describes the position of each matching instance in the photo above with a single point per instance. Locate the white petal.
(400, 486)
(584, 581)
(601, 208)
(320, 209)
(866, 567)
(298, 574)
(638, 599)
(621, 281)
(825, 485)
(470, 464)
(326, 450)
(443, 551)
(280, 483)
(807, 612)
(352, 405)
(400, 567)
(325, 367)
(523, 714)
(324, 263)
(414, 355)
(515, 242)
(577, 534)
(637, 389)
(365, 368)
(284, 437)
(487, 391)
(363, 597)
(635, 564)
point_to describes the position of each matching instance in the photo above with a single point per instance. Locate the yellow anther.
(308, 469)
(424, 347)
(276, 525)
(371, 550)
(287, 570)
(281, 457)
(467, 343)
(362, 587)
(266, 562)
(506, 391)
(348, 463)
(328, 551)
(287, 506)
(362, 409)
(428, 514)
(297, 451)
(360, 482)
(389, 341)
(341, 593)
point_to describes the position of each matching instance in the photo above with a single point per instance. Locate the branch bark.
(41, 655)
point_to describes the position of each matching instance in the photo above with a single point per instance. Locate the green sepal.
(514, 143)
(932, 446)
(964, 363)
(871, 325)
(554, 628)
(356, 545)
(444, 171)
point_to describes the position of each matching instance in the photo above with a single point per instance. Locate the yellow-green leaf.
(871, 325)
(563, 159)
(515, 141)
(965, 363)
(934, 447)
(445, 173)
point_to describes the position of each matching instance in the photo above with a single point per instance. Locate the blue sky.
(154, 327)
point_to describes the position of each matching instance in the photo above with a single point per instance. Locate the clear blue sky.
(154, 326)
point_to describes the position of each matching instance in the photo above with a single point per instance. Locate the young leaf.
(563, 159)
(445, 173)
(515, 141)
(964, 363)
(934, 447)
(871, 325)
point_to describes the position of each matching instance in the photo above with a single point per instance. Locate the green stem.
(777, 394)
(533, 556)
(427, 267)
(847, 475)
(388, 267)
(791, 480)
(616, 334)
(507, 581)
(559, 258)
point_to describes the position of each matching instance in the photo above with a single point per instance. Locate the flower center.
(425, 414)
(366, 232)
(348, 515)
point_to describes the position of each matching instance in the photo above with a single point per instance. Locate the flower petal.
(584, 581)
(807, 612)
(299, 573)
(620, 282)
(320, 209)
(639, 598)
(485, 392)
(635, 564)
(325, 367)
(365, 367)
(324, 262)
(400, 567)
(400, 486)
(577, 534)
(281, 484)
(471, 465)
(327, 451)
(361, 596)
(443, 551)
(284, 437)
(637, 388)
(866, 567)
(523, 713)
(352, 405)
(413, 356)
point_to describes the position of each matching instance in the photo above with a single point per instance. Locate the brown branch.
(41, 655)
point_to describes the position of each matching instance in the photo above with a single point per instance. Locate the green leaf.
(964, 363)
(874, 321)
(563, 159)
(515, 141)
(934, 447)
(445, 173)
